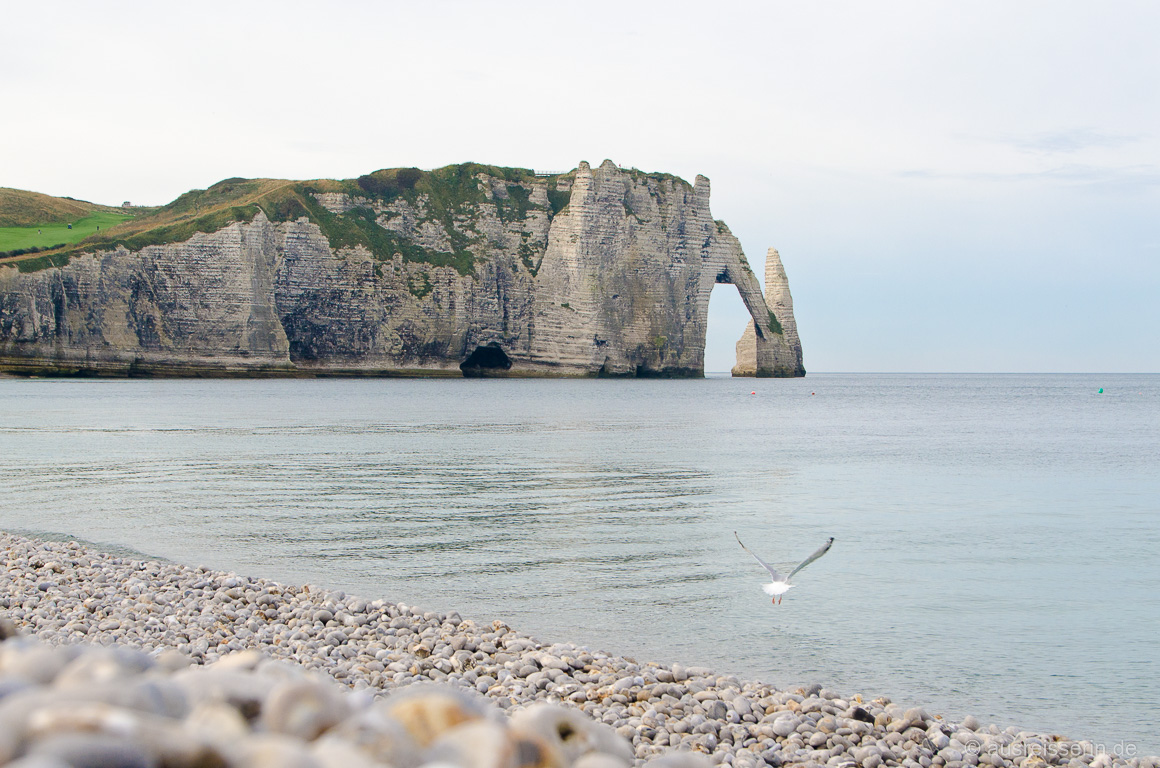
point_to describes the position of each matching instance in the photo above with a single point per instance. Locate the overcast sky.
(952, 186)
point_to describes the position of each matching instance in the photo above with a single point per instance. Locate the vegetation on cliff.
(450, 196)
(19, 208)
(32, 223)
(398, 270)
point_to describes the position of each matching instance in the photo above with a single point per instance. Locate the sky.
(952, 186)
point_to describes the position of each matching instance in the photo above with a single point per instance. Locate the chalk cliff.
(780, 303)
(468, 270)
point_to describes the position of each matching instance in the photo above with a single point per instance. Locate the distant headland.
(466, 270)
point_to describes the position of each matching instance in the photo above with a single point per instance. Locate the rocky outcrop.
(780, 303)
(602, 271)
(625, 283)
(203, 306)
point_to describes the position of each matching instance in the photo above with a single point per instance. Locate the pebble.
(133, 662)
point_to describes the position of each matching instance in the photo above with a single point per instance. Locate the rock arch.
(624, 286)
(604, 271)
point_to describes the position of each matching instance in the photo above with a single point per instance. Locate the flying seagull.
(780, 584)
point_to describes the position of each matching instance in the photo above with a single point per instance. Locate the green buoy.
(1101, 391)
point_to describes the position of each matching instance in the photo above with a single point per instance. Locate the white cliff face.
(780, 303)
(202, 305)
(615, 283)
(778, 298)
(746, 352)
(625, 283)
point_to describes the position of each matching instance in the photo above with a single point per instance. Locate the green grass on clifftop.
(450, 195)
(19, 208)
(48, 235)
(31, 221)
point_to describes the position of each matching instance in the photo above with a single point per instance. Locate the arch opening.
(486, 360)
(726, 322)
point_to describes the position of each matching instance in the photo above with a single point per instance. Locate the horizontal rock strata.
(64, 593)
(500, 280)
(780, 304)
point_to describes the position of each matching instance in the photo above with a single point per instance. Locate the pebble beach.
(108, 660)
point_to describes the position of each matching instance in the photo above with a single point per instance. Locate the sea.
(997, 537)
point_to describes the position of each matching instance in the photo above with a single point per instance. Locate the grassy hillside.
(32, 209)
(30, 221)
(47, 235)
(449, 192)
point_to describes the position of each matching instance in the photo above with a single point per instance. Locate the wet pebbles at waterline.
(144, 663)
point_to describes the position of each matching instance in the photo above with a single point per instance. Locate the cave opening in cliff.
(487, 360)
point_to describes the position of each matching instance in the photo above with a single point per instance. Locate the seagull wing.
(821, 551)
(772, 572)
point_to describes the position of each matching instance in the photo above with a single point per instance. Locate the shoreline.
(66, 593)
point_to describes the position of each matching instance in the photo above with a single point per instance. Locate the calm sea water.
(997, 536)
